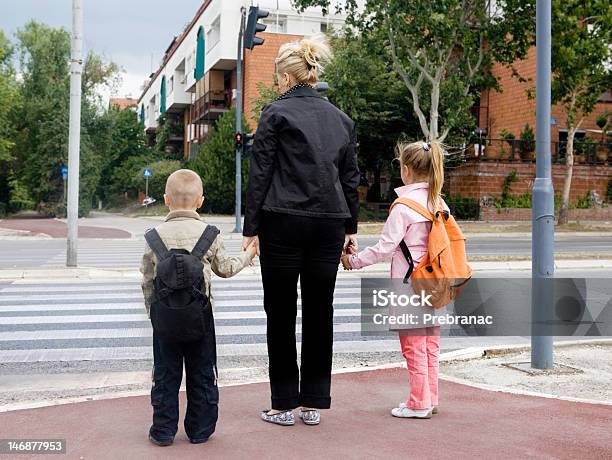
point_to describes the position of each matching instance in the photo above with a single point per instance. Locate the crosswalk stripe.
(141, 317)
(146, 332)
(146, 353)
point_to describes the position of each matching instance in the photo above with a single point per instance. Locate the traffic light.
(238, 140)
(250, 38)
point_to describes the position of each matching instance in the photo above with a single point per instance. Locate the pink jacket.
(402, 223)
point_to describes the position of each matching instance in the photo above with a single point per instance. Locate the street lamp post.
(543, 212)
(74, 132)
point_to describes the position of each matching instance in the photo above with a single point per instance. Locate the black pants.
(307, 248)
(202, 391)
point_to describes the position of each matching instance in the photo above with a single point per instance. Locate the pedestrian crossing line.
(146, 353)
(141, 317)
(146, 332)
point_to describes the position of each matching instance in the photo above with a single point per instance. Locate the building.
(196, 81)
(509, 111)
(122, 103)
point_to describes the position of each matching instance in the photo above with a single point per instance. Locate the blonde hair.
(427, 159)
(184, 188)
(303, 59)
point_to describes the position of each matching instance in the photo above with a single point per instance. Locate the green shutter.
(162, 103)
(199, 64)
(142, 113)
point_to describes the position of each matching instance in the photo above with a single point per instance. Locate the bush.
(527, 144)
(157, 182)
(463, 208)
(216, 165)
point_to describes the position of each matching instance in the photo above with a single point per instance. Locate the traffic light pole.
(238, 228)
(543, 212)
(74, 132)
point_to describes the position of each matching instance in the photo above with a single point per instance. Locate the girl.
(422, 173)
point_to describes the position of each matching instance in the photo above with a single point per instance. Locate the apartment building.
(196, 81)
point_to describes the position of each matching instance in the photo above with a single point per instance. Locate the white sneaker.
(405, 412)
(434, 409)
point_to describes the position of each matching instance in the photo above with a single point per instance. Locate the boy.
(176, 267)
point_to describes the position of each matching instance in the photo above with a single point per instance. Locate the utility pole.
(543, 211)
(74, 132)
(238, 228)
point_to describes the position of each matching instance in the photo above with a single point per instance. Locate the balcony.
(586, 151)
(210, 107)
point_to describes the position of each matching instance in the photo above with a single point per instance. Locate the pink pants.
(421, 353)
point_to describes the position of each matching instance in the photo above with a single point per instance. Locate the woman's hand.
(248, 240)
(350, 244)
(345, 262)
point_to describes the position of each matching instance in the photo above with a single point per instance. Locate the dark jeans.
(307, 248)
(202, 392)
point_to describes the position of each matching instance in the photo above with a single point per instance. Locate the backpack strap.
(156, 244)
(205, 241)
(404, 247)
(422, 210)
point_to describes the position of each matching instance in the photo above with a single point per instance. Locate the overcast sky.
(128, 32)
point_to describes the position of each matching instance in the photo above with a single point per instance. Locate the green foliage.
(527, 144)
(584, 202)
(267, 94)
(510, 179)
(581, 52)
(157, 182)
(442, 50)
(507, 135)
(609, 192)
(215, 164)
(167, 127)
(34, 113)
(381, 111)
(463, 208)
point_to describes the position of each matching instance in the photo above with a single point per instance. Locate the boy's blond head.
(184, 189)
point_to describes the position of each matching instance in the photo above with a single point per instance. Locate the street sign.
(553, 121)
(64, 171)
(147, 172)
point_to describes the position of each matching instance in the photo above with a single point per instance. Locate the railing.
(217, 100)
(585, 151)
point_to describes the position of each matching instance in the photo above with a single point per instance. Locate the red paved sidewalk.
(472, 423)
(57, 229)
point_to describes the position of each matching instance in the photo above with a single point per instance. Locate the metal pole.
(74, 133)
(238, 228)
(543, 212)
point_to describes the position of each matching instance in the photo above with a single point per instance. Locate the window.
(171, 85)
(324, 27)
(214, 34)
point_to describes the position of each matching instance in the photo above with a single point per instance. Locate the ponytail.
(426, 159)
(436, 174)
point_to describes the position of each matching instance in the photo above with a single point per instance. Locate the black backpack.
(180, 303)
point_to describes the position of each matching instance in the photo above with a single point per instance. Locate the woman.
(302, 205)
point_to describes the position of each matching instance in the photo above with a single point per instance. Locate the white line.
(143, 317)
(71, 307)
(147, 332)
(136, 353)
(64, 296)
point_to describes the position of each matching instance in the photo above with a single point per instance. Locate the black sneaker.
(198, 441)
(161, 442)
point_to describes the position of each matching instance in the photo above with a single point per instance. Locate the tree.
(216, 164)
(381, 111)
(442, 50)
(581, 53)
(41, 146)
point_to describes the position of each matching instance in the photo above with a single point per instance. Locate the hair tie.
(426, 146)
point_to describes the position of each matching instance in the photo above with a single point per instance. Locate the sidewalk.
(472, 423)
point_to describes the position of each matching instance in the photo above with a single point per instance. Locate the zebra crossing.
(85, 320)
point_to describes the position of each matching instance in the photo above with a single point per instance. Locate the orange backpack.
(443, 271)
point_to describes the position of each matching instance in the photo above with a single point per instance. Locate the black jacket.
(304, 161)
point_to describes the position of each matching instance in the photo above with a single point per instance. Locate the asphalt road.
(126, 253)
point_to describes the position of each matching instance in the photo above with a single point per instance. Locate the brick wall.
(524, 214)
(510, 108)
(259, 67)
(477, 180)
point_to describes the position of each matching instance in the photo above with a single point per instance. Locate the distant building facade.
(122, 103)
(196, 81)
